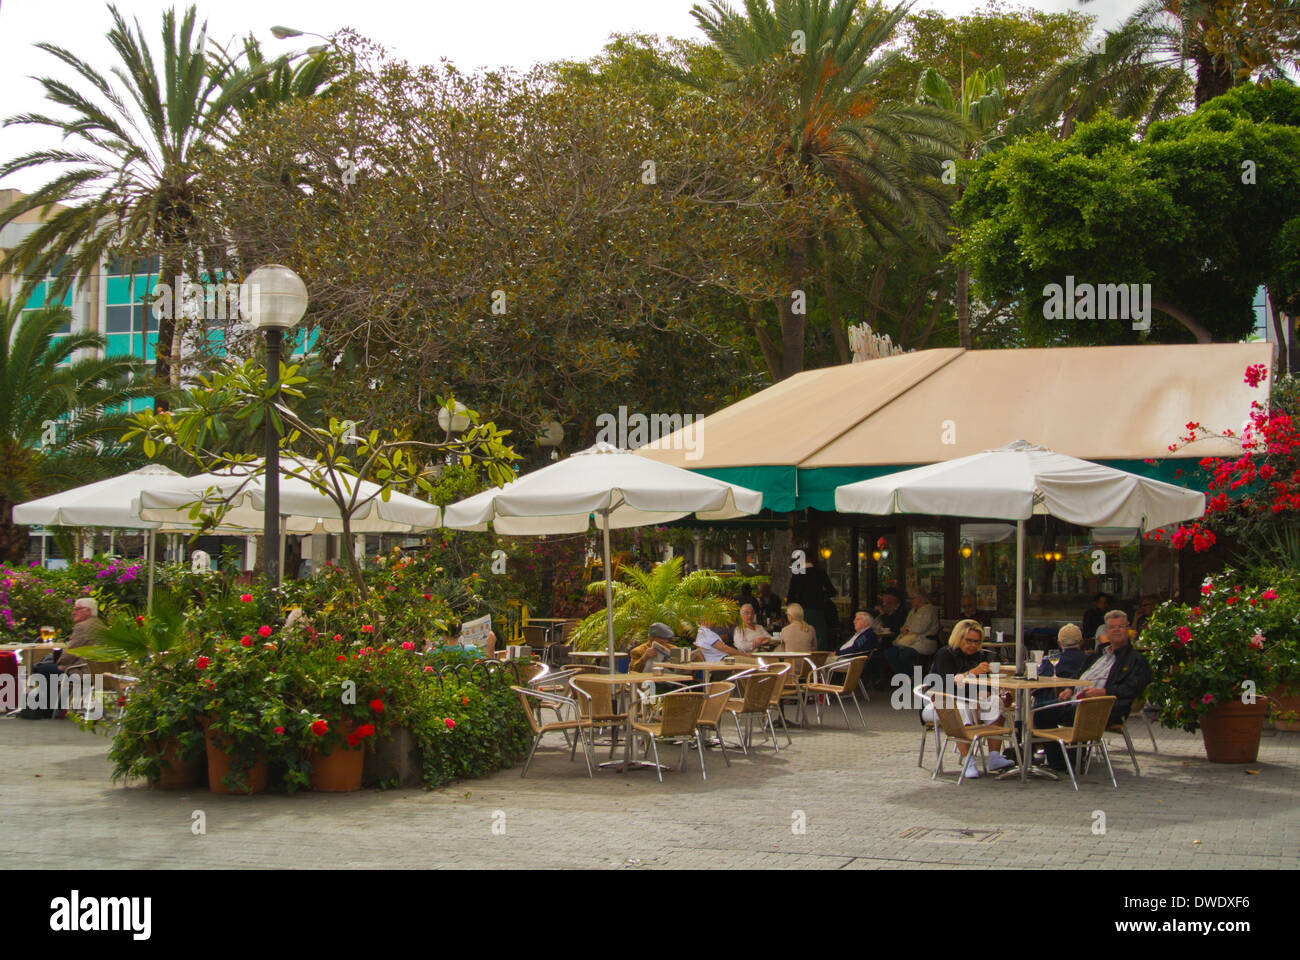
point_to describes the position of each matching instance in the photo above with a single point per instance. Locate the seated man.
(864, 637)
(87, 630)
(1071, 663)
(1117, 670)
(712, 645)
(658, 647)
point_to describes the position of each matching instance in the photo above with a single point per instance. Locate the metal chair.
(922, 692)
(596, 705)
(782, 671)
(565, 705)
(679, 723)
(818, 685)
(948, 717)
(1122, 729)
(755, 704)
(715, 705)
(1087, 730)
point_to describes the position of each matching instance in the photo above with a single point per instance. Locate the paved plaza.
(862, 800)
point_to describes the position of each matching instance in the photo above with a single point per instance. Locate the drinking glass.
(47, 634)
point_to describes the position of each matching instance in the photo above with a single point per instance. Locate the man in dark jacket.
(1117, 670)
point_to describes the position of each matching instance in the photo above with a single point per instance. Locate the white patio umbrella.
(1019, 481)
(111, 503)
(613, 487)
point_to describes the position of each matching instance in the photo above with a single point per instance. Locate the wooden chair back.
(526, 698)
(681, 713)
(853, 673)
(948, 716)
(1090, 716)
(601, 702)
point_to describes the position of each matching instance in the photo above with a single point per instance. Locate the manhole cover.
(950, 835)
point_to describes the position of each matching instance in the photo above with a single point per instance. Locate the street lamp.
(279, 299)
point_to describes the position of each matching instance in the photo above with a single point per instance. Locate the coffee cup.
(995, 667)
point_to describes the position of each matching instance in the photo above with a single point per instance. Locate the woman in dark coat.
(963, 657)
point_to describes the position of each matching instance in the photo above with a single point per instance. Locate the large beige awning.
(1117, 405)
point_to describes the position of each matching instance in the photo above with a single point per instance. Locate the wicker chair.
(1088, 729)
(755, 705)
(1122, 728)
(928, 727)
(947, 711)
(596, 705)
(716, 696)
(818, 684)
(679, 723)
(783, 672)
(566, 707)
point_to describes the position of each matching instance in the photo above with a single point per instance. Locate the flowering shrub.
(1242, 636)
(1259, 490)
(32, 596)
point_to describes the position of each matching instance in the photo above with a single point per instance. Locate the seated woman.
(964, 659)
(489, 647)
(797, 636)
(749, 636)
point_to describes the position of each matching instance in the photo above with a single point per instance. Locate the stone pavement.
(860, 795)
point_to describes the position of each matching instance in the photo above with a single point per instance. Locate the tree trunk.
(771, 356)
(782, 545)
(1201, 334)
(838, 333)
(1213, 78)
(13, 538)
(794, 324)
(963, 307)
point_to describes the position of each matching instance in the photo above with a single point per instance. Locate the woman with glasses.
(964, 659)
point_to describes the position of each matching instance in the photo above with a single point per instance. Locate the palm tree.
(1168, 50)
(885, 156)
(288, 78)
(982, 110)
(63, 409)
(131, 187)
(661, 595)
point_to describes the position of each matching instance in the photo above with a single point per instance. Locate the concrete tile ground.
(857, 792)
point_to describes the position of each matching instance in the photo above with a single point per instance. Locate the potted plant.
(343, 710)
(1212, 662)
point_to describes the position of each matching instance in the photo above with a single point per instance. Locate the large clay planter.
(1231, 731)
(340, 770)
(1285, 701)
(219, 765)
(177, 774)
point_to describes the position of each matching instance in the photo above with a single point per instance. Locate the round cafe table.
(616, 680)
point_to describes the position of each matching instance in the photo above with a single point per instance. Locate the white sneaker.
(998, 762)
(972, 771)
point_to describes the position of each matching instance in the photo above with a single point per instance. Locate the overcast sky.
(471, 33)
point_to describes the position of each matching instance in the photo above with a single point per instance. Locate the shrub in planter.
(161, 724)
(1238, 642)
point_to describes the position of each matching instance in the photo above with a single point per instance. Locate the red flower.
(139, 619)
(201, 663)
(1256, 374)
(464, 701)
(1206, 589)
(1268, 594)
(428, 669)
(1208, 698)
(319, 727)
(121, 701)
(1257, 641)
(428, 596)
(367, 628)
(451, 724)
(353, 741)
(340, 657)
(377, 706)
(246, 598)
(1184, 636)
(264, 631)
(245, 641)
(338, 636)
(279, 729)
(365, 730)
(408, 645)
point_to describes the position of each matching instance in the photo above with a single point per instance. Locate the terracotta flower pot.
(1285, 702)
(340, 770)
(219, 763)
(1231, 731)
(177, 774)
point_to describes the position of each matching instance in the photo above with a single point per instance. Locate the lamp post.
(279, 299)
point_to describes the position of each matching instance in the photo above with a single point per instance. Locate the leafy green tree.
(661, 595)
(1195, 210)
(821, 63)
(62, 411)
